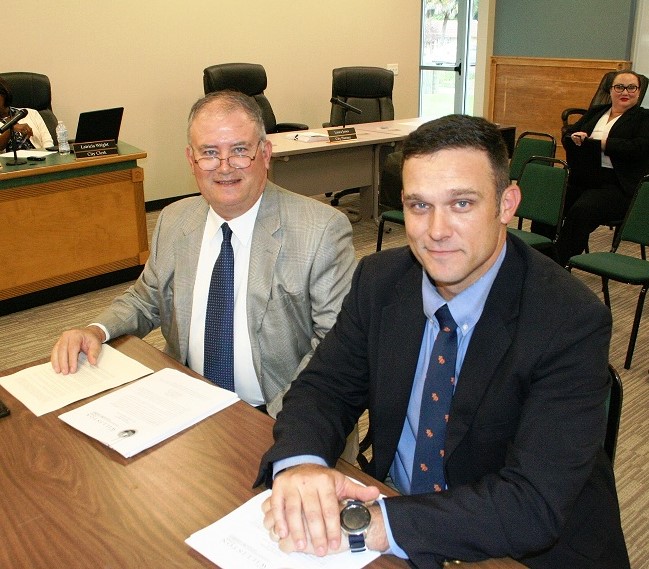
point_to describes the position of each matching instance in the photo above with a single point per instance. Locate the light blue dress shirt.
(466, 309)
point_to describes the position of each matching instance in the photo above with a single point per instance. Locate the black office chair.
(33, 91)
(366, 88)
(249, 78)
(613, 413)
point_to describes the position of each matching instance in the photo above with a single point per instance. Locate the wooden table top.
(69, 501)
(55, 163)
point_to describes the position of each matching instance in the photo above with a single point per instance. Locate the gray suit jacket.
(301, 263)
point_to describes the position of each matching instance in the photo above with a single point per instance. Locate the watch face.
(355, 517)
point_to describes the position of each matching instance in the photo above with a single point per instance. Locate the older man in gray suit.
(293, 262)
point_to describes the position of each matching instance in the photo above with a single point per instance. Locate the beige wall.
(149, 56)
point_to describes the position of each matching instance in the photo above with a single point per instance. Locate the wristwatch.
(355, 519)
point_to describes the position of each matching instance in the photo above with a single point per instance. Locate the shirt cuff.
(285, 463)
(394, 549)
(103, 328)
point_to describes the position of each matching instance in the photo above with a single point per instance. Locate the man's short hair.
(462, 131)
(229, 101)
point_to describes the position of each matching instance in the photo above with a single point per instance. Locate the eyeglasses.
(238, 161)
(619, 88)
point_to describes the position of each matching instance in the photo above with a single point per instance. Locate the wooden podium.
(65, 220)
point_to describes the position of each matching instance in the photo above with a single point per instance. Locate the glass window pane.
(439, 34)
(437, 93)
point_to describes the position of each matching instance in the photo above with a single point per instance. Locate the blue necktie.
(218, 363)
(428, 462)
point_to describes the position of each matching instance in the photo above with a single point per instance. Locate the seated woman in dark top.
(30, 132)
(608, 153)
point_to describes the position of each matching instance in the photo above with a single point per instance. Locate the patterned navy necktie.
(218, 363)
(428, 462)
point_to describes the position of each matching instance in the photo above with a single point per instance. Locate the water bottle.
(62, 138)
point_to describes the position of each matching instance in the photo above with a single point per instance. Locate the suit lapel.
(264, 251)
(399, 343)
(188, 249)
(491, 340)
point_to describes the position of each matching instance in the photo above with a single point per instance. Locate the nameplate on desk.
(94, 149)
(339, 134)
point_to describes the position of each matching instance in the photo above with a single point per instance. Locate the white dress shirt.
(246, 383)
(600, 132)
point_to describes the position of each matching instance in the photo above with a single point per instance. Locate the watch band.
(357, 542)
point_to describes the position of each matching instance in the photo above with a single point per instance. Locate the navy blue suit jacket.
(526, 473)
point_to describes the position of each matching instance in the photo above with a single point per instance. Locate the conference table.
(65, 220)
(313, 168)
(70, 502)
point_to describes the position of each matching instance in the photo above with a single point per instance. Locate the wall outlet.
(394, 67)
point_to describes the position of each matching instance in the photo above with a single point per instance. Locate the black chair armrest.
(567, 113)
(289, 126)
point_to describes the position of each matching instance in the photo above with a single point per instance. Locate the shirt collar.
(466, 307)
(241, 226)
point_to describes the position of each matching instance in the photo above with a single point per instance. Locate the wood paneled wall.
(531, 92)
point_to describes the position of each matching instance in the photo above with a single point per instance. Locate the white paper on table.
(307, 136)
(42, 390)
(148, 411)
(240, 540)
(26, 153)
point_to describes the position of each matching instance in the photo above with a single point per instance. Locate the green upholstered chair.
(543, 182)
(529, 144)
(624, 268)
(393, 216)
(390, 187)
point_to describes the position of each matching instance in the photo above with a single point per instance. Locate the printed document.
(27, 153)
(240, 540)
(42, 390)
(152, 409)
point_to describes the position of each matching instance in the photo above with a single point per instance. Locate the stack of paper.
(149, 410)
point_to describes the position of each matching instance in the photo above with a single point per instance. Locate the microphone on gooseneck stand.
(346, 106)
(9, 125)
(21, 114)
